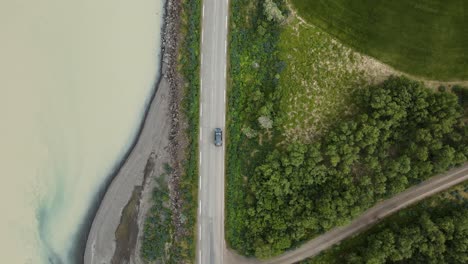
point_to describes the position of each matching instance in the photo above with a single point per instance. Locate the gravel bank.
(151, 146)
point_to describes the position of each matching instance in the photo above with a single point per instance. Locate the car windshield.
(218, 136)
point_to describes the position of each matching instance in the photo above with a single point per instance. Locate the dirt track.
(412, 195)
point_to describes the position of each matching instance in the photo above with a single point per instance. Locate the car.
(218, 137)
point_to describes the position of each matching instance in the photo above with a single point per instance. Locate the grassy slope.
(184, 248)
(315, 85)
(421, 37)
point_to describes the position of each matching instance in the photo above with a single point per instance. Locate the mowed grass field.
(427, 38)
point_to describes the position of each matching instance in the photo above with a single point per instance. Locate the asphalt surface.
(210, 244)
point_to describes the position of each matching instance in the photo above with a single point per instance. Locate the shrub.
(272, 12)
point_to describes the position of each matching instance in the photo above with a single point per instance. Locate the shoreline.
(83, 246)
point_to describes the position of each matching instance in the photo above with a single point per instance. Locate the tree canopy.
(402, 134)
(432, 231)
(440, 237)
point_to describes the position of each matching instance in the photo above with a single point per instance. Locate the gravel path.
(368, 218)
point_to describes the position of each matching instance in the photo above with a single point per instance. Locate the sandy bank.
(100, 246)
(151, 147)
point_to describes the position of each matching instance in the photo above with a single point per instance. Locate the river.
(76, 77)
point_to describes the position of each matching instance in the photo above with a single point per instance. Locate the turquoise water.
(75, 78)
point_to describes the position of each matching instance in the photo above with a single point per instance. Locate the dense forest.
(433, 231)
(438, 238)
(402, 134)
(462, 94)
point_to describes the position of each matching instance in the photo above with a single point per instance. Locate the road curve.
(210, 241)
(371, 216)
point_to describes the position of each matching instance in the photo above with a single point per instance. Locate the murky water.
(75, 77)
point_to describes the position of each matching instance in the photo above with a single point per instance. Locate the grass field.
(315, 87)
(427, 38)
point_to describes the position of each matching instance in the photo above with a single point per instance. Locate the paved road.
(371, 216)
(211, 246)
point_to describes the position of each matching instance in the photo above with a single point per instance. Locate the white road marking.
(212, 95)
(210, 62)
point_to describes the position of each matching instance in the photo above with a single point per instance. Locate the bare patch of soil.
(127, 231)
(377, 72)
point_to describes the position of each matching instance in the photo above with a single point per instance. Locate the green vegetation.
(159, 242)
(462, 94)
(402, 134)
(184, 249)
(272, 66)
(253, 66)
(317, 82)
(421, 37)
(433, 231)
(158, 230)
(310, 144)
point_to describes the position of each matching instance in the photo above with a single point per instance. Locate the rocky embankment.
(177, 137)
